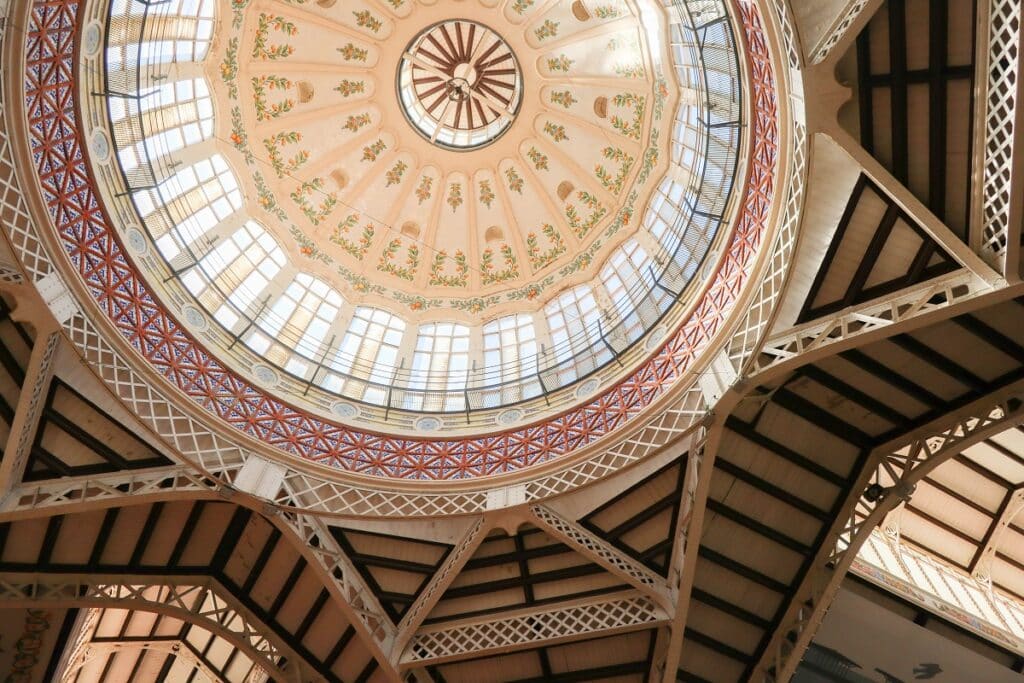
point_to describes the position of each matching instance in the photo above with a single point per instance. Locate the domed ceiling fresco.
(489, 232)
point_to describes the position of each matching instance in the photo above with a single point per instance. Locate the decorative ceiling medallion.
(459, 84)
(194, 317)
(137, 242)
(344, 409)
(100, 146)
(428, 424)
(587, 388)
(265, 375)
(510, 416)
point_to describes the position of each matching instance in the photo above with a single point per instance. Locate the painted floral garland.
(118, 289)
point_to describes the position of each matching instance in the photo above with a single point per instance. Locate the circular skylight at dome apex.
(301, 182)
(459, 84)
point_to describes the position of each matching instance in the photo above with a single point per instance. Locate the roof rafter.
(28, 411)
(203, 601)
(891, 472)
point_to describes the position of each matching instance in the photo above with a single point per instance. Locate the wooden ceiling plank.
(919, 214)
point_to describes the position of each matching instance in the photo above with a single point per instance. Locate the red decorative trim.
(119, 290)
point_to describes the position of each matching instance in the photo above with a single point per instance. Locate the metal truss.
(888, 478)
(886, 316)
(1013, 506)
(202, 602)
(439, 582)
(532, 627)
(998, 201)
(604, 554)
(177, 648)
(843, 27)
(683, 564)
(28, 410)
(164, 483)
(314, 541)
(945, 238)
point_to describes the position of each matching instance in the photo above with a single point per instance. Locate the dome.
(444, 228)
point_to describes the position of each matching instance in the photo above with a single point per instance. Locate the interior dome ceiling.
(367, 196)
(360, 190)
(188, 184)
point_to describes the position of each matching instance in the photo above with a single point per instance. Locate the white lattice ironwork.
(750, 334)
(201, 602)
(586, 619)
(889, 477)
(353, 595)
(998, 204)
(28, 410)
(439, 582)
(315, 493)
(790, 36)
(167, 483)
(838, 29)
(944, 590)
(841, 328)
(602, 553)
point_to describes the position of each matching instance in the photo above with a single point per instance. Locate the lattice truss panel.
(889, 478)
(795, 344)
(603, 553)
(339, 572)
(1001, 118)
(201, 603)
(838, 30)
(629, 612)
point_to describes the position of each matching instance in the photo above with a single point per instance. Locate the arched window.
(510, 359)
(510, 348)
(627, 275)
(234, 273)
(189, 204)
(294, 327)
(575, 324)
(440, 364)
(172, 117)
(368, 351)
(175, 31)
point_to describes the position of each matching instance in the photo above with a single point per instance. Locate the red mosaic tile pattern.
(119, 290)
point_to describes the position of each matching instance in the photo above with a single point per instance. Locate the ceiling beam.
(202, 601)
(889, 476)
(912, 206)
(528, 628)
(75, 494)
(603, 554)
(938, 299)
(997, 202)
(981, 564)
(312, 538)
(439, 582)
(173, 648)
(848, 17)
(31, 403)
(700, 463)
